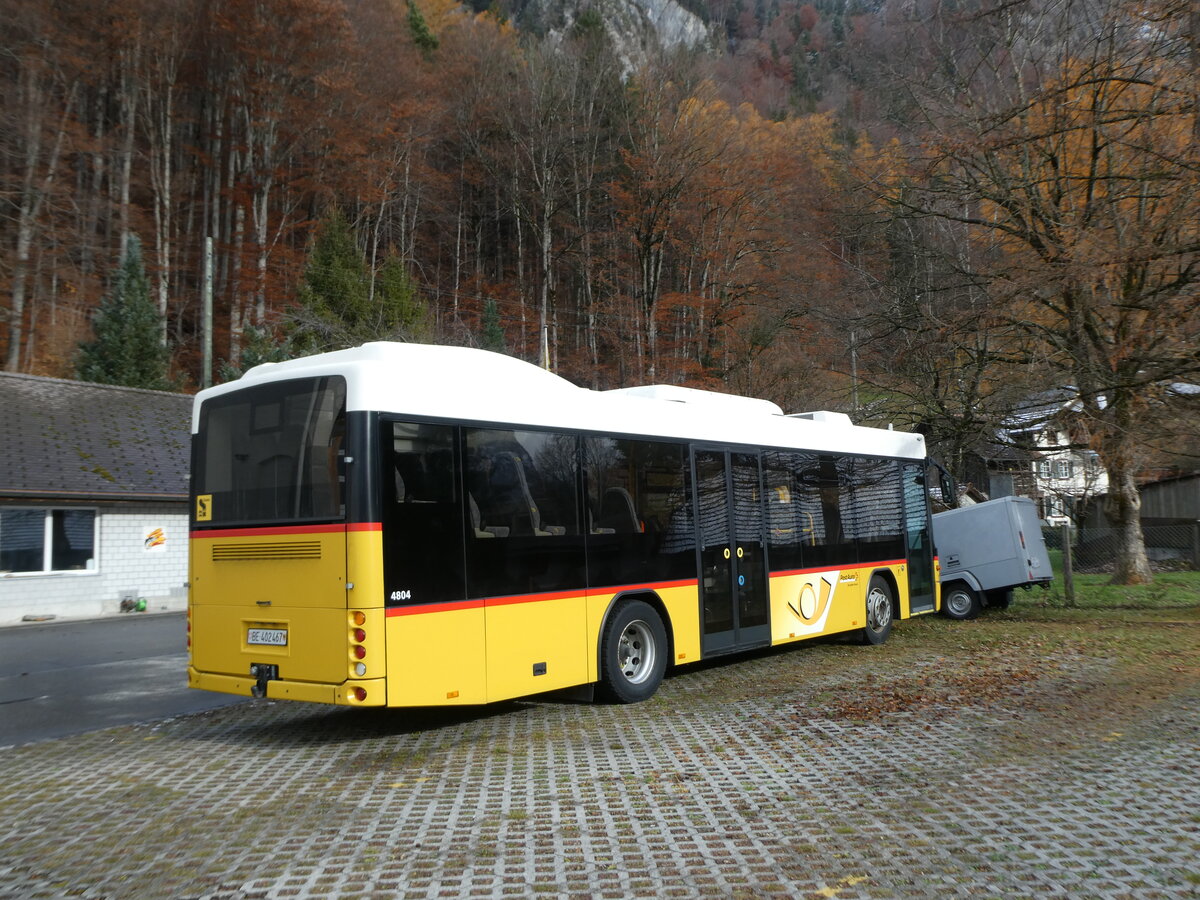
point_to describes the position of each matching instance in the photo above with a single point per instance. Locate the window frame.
(48, 542)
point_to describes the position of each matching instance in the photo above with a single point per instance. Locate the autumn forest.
(919, 212)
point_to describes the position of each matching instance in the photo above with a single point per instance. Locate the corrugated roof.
(73, 440)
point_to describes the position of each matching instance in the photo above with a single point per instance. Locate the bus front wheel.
(880, 611)
(633, 653)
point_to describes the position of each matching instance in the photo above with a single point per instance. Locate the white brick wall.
(123, 564)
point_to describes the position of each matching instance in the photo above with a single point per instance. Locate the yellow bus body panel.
(364, 568)
(828, 601)
(536, 644)
(436, 657)
(296, 582)
(683, 609)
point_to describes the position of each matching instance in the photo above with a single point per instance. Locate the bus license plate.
(274, 637)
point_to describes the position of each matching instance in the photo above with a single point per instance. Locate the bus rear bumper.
(372, 691)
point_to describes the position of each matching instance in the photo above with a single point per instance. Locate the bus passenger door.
(733, 576)
(919, 543)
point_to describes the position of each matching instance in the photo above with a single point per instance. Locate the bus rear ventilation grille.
(280, 550)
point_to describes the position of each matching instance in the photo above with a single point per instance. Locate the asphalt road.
(66, 678)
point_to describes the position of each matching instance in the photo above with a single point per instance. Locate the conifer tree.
(128, 348)
(425, 39)
(401, 310)
(492, 337)
(259, 345)
(336, 308)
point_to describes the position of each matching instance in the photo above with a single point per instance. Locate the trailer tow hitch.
(263, 673)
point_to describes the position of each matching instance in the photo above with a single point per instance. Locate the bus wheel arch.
(881, 607)
(635, 648)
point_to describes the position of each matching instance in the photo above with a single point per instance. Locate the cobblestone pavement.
(724, 785)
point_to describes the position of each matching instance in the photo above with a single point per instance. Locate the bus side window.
(788, 529)
(875, 510)
(522, 499)
(639, 510)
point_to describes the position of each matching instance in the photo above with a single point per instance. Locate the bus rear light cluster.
(358, 637)
(359, 694)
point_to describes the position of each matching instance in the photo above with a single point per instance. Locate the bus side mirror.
(949, 494)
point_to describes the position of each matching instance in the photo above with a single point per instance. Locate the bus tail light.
(360, 694)
(358, 638)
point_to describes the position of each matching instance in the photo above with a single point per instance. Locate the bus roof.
(479, 386)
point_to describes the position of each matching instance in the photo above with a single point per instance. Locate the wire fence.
(1168, 547)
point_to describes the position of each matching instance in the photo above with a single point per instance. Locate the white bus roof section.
(479, 386)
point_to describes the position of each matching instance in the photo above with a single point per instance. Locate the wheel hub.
(879, 610)
(635, 652)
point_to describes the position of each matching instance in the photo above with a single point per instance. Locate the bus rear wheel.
(880, 611)
(633, 653)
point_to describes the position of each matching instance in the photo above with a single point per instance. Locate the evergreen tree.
(492, 337)
(259, 345)
(401, 310)
(335, 308)
(425, 39)
(128, 348)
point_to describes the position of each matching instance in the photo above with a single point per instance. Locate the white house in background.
(93, 497)
(1064, 479)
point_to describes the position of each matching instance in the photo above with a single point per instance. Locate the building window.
(1062, 468)
(47, 540)
(1053, 507)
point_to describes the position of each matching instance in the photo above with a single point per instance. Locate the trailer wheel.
(633, 653)
(1000, 599)
(880, 611)
(960, 602)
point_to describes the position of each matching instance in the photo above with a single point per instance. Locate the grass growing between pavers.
(793, 759)
(1119, 653)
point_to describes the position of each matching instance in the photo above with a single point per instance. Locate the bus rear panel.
(276, 565)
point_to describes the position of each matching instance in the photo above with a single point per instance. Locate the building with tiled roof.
(93, 497)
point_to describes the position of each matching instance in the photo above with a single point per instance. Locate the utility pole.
(206, 365)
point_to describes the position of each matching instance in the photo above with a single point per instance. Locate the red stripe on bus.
(275, 531)
(434, 607)
(870, 565)
(514, 599)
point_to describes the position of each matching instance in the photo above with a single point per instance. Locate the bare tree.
(1061, 136)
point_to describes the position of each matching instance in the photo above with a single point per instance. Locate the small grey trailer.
(986, 550)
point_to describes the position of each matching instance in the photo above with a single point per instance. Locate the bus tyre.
(880, 611)
(960, 602)
(633, 653)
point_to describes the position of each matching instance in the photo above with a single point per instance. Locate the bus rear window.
(273, 454)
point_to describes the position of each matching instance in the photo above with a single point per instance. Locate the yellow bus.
(410, 525)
